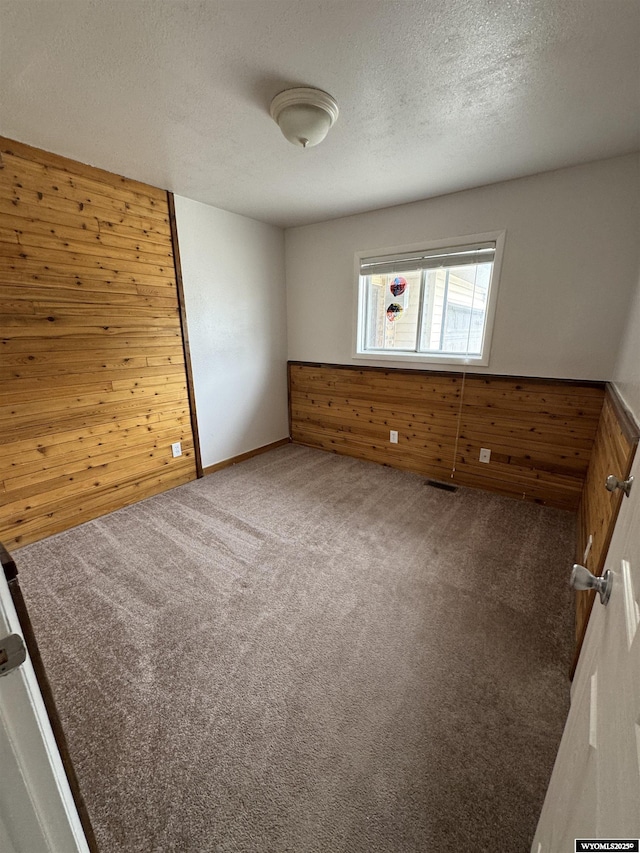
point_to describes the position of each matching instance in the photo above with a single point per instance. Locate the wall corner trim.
(185, 334)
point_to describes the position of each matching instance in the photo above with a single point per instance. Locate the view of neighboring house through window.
(427, 304)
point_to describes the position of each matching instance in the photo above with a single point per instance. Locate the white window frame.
(482, 360)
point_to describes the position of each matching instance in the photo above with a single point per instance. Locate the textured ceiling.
(435, 96)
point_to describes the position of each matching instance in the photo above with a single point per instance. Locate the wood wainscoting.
(613, 453)
(93, 385)
(540, 431)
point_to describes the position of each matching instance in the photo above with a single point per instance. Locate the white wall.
(567, 278)
(233, 271)
(627, 370)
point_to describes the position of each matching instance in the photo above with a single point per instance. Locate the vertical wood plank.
(185, 332)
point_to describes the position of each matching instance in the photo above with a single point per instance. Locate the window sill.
(413, 358)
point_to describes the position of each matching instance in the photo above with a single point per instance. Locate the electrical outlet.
(176, 448)
(485, 454)
(393, 436)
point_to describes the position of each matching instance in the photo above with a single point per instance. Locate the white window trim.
(430, 358)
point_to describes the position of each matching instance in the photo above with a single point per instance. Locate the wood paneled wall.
(93, 386)
(613, 453)
(540, 432)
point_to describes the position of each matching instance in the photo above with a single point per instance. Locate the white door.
(37, 812)
(594, 791)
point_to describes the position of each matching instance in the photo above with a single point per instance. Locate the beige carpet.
(312, 654)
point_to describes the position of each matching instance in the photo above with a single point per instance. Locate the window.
(433, 303)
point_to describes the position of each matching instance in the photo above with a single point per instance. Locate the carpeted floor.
(312, 654)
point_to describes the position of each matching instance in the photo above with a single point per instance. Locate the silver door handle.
(13, 653)
(612, 483)
(581, 578)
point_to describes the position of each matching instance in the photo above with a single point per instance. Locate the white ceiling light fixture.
(304, 115)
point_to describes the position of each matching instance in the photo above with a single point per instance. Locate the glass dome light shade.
(304, 115)
(304, 125)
